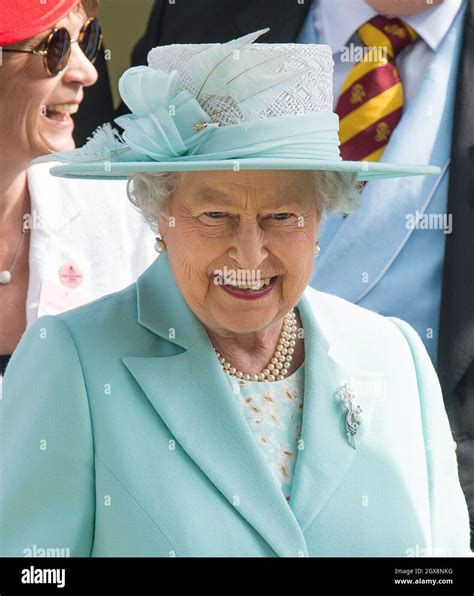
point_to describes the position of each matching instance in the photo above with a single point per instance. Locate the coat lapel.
(370, 239)
(191, 395)
(196, 403)
(326, 453)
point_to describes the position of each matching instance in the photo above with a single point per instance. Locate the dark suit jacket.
(456, 340)
(204, 21)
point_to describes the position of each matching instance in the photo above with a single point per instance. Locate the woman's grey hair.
(151, 192)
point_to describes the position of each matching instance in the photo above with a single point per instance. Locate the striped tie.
(371, 100)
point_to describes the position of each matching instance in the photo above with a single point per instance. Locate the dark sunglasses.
(57, 47)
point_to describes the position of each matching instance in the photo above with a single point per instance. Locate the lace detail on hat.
(310, 92)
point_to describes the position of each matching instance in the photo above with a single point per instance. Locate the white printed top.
(274, 412)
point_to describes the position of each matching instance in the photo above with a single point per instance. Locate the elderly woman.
(55, 248)
(219, 407)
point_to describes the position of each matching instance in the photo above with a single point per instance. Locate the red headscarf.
(22, 19)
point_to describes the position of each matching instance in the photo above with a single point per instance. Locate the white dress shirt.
(336, 21)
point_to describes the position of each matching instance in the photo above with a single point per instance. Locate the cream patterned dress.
(274, 412)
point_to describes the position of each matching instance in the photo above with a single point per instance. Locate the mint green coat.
(120, 436)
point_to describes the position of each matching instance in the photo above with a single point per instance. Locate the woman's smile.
(59, 114)
(251, 291)
(61, 119)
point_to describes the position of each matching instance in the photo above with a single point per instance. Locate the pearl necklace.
(278, 367)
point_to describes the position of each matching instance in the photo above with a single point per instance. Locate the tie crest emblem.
(395, 30)
(382, 132)
(357, 93)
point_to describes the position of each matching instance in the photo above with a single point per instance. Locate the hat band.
(301, 136)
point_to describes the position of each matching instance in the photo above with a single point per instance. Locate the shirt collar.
(431, 24)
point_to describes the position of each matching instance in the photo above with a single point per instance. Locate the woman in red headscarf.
(62, 243)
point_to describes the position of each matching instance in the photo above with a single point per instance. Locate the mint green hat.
(233, 106)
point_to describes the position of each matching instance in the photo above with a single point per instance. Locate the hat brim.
(122, 170)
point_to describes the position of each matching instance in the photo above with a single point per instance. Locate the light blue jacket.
(120, 436)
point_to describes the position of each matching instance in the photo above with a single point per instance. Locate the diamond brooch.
(353, 416)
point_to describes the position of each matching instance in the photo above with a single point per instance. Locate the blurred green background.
(123, 23)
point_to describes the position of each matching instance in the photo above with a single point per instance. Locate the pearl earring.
(317, 249)
(160, 245)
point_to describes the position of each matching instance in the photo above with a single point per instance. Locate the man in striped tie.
(402, 88)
